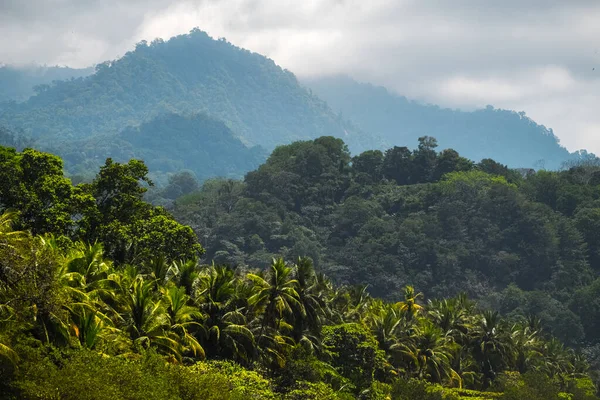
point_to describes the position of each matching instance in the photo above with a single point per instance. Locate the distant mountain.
(19, 83)
(260, 102)
(168, 143)
(506, 136)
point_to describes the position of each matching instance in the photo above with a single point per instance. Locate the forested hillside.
(508, 137)
(102, 296)
(260, 102)
(20, 83)
(522, 242)
(171, 143)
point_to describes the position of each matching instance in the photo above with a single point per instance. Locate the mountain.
(168, 143)
(506, 136)
(259, 101)
(19, 83)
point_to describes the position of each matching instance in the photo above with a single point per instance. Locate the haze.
(539, 56)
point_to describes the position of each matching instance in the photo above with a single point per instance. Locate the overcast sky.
(537, 56)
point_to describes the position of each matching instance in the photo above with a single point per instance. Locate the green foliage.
(87, 375)
(33, 183)
(312, 391)
(420, 390)
(111, 209)
(137, 315)
(354, 353)
(413, 217)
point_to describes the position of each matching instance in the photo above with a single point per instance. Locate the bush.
(354, 353)
(420, 390)
(86, 375)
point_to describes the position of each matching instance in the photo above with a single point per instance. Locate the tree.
(277, 295)
(425, 159)
(32, 182)
(370, 164)
(397, 165)
(354, 353)
(129, 227)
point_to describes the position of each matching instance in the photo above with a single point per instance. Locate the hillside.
(260, 102)
(169, 143)
(101, 290)
(506, 136)
(434, 220)
(18, 83)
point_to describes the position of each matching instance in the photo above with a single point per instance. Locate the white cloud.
(536, 56)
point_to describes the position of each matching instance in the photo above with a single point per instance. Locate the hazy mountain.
(19, 83)
(262, 103)
(507, 136)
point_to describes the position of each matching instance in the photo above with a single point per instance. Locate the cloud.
(538, 56)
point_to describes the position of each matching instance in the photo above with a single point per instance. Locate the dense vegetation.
(102, 297)
(506, 136)
(524, 243)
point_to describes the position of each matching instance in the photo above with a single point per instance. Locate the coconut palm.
(277, 295)
(385, 321)
(451, 317)
(145, 321)
(409, 306)
(307, 324)
(184, 274)
(526, 347)
(217, 294)
(9, 238)
(184, 320)
(90, 326)
(492, 346)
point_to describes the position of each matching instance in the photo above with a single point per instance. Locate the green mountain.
(507, 136)
(168, 143)
(259, 101)
(20, 83)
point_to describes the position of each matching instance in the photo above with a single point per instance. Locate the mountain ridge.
(504, 135)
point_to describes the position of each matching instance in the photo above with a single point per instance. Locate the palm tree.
(385, 321)
(6, 317)
(184, 274)
(349, 304)
(427, 354)
(526, 347)
(409, 306)
(277, 295)
(84, 272)
(557, 359)
(307, 325)
(90, 326)
(492, 346)
(451, 316)
(10, 238)
(183, 320)
(146, 321)
(217, 292)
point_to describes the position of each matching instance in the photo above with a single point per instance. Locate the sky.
(537, 56)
